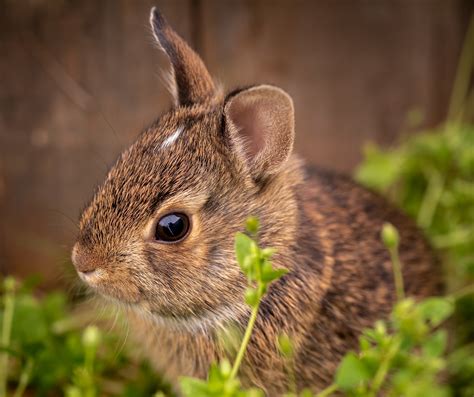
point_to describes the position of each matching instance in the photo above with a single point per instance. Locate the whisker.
(101, 113)
(76, 93)
(72, 221)
(125, 339)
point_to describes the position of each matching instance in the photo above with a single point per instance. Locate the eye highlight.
(172, 227)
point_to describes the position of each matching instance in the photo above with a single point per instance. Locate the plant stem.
(89, 359)
(456, 237)
(9, 302)
(24, 378)
(245, 341)
(468, 290)
(461, 82)
(384, 367)
(90, 352)
(397, 273)
(327, 391)
(431, 199)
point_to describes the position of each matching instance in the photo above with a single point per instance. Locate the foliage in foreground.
(431, 176)
(403, 356)
(47, 347)
(42, 348)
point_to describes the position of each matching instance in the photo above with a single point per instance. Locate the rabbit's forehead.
(150, 172)
(171, 158)
(167, 167)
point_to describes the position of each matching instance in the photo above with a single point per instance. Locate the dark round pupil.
(172, 227)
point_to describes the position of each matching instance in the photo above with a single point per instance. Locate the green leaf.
(436, 309)
(306, 393)
(253, 392)
(243, 247)
(379, 169)
(192, 387)
(274, 275)
(268, 252)
(225, 368)
(251, 297)
(27, 312)
(434, 346)
(351, 372)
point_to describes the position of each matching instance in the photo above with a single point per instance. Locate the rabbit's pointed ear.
(260, 121)
(192, 81)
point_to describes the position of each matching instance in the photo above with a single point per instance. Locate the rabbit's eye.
(172, 228)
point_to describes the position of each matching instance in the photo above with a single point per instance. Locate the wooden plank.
(72, 73)
(355, 68)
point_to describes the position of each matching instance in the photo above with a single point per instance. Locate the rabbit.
(157, 238)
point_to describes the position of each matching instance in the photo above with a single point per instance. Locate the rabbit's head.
(158, 234)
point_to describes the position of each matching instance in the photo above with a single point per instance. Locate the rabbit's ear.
(260, 120)
(192, 82)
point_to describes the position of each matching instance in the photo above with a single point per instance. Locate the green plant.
(255, 263)
(84, 382)
(7, 320)
(43, 348)
(404, 355)
(401, 356)
(431, 176)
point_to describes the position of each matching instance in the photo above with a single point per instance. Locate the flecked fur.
(180, 297)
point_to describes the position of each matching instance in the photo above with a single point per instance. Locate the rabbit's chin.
(219, 318)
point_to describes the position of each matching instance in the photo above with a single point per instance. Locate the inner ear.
(251, 119)
(261, 122)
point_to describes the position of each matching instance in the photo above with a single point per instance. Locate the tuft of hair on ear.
(191, 81)
(260, 121)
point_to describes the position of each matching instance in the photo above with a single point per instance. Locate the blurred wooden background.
(80, 79)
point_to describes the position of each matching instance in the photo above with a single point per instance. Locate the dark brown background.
(80, 79)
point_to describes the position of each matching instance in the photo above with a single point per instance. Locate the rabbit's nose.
(83, 261)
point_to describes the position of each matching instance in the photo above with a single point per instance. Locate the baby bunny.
(157, 237)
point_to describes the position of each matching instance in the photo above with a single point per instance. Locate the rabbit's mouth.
(101, 283)
(91, 277)
(219, 317)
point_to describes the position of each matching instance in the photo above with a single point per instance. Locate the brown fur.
(326, 230)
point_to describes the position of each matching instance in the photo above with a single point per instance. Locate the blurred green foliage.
(53, 350)
(402, 356)
(431, 177)
(405, 355)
